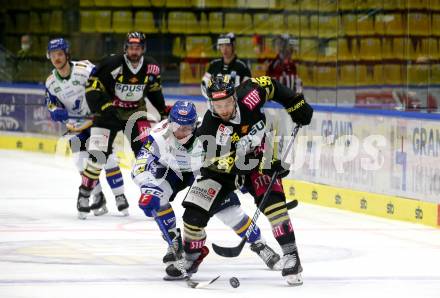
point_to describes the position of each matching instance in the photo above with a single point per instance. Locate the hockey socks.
(115, 180)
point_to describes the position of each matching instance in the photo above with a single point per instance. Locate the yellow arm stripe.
(109, 104)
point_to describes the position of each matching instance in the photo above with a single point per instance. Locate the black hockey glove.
(301, 112)
(278, 166)
(165, 112)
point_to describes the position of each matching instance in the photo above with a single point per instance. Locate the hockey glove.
(164, 114)
(59, 115)
(148, 203)
(278, 166)
(301, 112)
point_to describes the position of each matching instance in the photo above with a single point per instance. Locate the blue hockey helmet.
(183, 120)
(57, 44)
(183, 113)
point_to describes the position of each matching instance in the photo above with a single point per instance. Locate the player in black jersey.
(233, 130)
(228, 64)
(117, 96)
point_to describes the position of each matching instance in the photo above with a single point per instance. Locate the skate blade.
(171, 278)
(294, 279)
(100, 211)
(82, 215)
(124, 212)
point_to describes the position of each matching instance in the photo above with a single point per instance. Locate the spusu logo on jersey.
(129, 91)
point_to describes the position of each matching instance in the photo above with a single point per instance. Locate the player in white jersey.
(168, 162)
(66, 102)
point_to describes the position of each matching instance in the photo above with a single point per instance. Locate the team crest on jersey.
(252, 99)
(222, 136)
(133, 80)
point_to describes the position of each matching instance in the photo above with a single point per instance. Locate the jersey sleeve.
(203, 85)
(294, 103)
(153, 90)
(103, 72)
(97, 98)
(51, 101)
(147, 167)
(84, 70)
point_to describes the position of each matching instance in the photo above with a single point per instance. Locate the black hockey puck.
(235, 283)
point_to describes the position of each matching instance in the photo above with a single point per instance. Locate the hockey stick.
(232, 252)
(189, 282)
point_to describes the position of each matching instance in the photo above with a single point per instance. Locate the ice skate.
(99, 206)
(266, 253)
(122, 204)
(292, 269)
(177, 246)
(82, 206)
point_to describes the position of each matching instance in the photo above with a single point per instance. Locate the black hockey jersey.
(129, 86)
(249, 122)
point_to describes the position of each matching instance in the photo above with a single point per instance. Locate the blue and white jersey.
(69, 93)
(161, 151)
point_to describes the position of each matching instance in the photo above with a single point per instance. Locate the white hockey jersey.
(69, 93)
(163, 150)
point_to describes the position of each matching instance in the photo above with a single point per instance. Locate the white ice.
(45, 251)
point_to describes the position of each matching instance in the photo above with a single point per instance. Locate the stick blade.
(202, 284)
(292, 204)
(229, 252)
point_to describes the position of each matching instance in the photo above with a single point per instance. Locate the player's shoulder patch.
(83, 69)
(50, 80)
(85, 64)
(153, 69)
(252, 99)
(262, 81)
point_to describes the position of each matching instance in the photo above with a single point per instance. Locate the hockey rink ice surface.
(45, 251)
